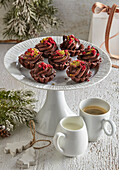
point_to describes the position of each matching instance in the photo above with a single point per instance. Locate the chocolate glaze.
(79, 71)
(72, 44)
(29, 59)
(60, 59)
(91, 55)
(43, 72)
(47, 46)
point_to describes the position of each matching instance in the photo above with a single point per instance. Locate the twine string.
(32, 128)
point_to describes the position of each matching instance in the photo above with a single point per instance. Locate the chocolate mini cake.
(91, 55)
(30, 58)
(79, 71)
(72, 44)
(43, 72)
(60, 59)
(47, 46)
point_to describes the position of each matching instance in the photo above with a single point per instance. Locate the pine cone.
(4, 132)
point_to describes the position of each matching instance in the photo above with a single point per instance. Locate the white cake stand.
(55, 107)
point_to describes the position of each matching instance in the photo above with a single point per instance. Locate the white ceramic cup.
(97, 123)
(71, 141)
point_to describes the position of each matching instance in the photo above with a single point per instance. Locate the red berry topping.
(89, 46)
(29, 50)
(83, 52)
(42, 63)
(93, 47)
(71, 36)
(82, 62)
(76, 39)
(93, 52)
(98, 54)
(44, 66)
(84, 67)
(32, 54)
(39, 66)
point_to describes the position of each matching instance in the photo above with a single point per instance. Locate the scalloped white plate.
(61, 81)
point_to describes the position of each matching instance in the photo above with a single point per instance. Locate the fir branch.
(16, 107)
(4, 3)
(28, 18)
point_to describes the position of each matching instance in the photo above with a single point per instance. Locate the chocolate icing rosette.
(91, 55)
(79, 71)
(60, 59)
(47, 46)
(43, 72)
(30, 58)
(72, 44)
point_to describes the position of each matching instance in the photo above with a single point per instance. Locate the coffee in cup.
(96, 114)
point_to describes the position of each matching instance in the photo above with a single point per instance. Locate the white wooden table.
(101, 155)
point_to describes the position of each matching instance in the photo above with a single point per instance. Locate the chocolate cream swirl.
(47, 46)
(79, 71)
(91, 55)
(72, 44)
(60, 59)
(43, 72)
(30, 58)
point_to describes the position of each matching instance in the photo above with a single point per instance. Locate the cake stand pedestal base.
(54, 109)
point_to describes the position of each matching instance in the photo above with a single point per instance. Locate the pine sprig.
(4, 3)
(16, 107)
(27, 18)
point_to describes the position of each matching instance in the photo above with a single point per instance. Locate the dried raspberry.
(83, 52)
(89, 46)
(50, 38)
(76, 39)
(93, 52)
(71, 36)
(82, 62)
(57, 52)
(29, 50)
(78, 60)
(42, 63)
(31, 54)
(50, 66)
(93, 47)
(98, 54)
(84, 67)
(66, 51)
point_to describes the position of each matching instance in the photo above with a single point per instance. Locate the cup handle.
(56, 141)
(112, 124)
